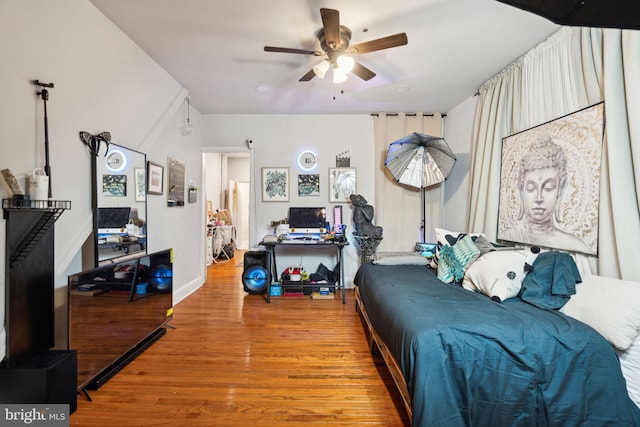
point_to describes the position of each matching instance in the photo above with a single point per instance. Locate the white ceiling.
(215, 50)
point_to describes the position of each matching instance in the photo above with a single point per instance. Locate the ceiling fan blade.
(363, 72)
(399, 39)
(311, 74)
(290, 50)
(331, 24)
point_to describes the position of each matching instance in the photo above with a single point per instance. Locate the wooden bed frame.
(389, 360)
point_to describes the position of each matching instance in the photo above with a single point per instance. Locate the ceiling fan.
(334, 41)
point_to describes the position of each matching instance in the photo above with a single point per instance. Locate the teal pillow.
(454, 260)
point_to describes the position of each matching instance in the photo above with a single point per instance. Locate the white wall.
(213, 179)
(278, 140)
(238, 168)
(103, 82)
(458, 134)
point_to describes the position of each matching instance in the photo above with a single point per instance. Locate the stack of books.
(323, 293)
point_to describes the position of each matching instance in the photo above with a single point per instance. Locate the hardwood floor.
(234, 360)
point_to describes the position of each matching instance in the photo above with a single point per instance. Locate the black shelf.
(305, 286)
(11, 204)
(45, 213)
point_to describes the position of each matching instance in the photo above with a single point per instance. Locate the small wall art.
(342, 184)
(114, 185)
(275, 184)
(140, 177)
(175, 182)
(155, 178)
(309, 185)
(343, 160)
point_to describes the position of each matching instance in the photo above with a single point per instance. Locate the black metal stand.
(86, 394)
(44, 93)
(368, 246)
(125, 359)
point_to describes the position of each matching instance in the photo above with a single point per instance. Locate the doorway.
(227, 187)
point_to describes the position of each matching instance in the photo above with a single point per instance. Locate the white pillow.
(610, 306)
(398, 258)
(498, 274)
(630, 365)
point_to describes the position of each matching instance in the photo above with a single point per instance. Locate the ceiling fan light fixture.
(335, 44)
(345, 63)
(187, 129)
(321, 68)
(339, 76)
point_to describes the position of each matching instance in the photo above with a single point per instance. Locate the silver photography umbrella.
(420, 161)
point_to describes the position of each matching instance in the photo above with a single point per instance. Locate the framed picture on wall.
(275, 184)
(550, 183)
(175, 182)
(309, 185)
(114, 185)
(155, 178)
(140, 178)
(342, 184)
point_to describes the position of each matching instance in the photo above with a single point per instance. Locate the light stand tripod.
(44, 93)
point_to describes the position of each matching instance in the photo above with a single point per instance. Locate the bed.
(460, 358)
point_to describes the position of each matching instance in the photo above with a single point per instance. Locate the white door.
(239, 205)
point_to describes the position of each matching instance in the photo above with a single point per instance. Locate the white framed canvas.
(550, 183)
(275, 184)
(342, 184)
(140, 178)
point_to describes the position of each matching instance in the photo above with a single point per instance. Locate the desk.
(272, 268)
(127, 246)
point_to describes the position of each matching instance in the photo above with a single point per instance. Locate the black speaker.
(50, 377)
(255, 276)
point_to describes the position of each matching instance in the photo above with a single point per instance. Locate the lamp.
(342, 66)
(420, 161)
(345, 63)
(339, 75)
(321, 68)
(187, 128)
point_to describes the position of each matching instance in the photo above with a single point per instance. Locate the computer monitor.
(307, 220)
(113, 220)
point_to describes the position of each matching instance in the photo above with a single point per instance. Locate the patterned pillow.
(499, 274)
(446, 237)
(455, 259)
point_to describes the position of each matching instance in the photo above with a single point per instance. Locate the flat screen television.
(307, 220)
(116, 311)
(113, 220)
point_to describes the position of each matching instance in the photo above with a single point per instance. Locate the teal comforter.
(469, 361)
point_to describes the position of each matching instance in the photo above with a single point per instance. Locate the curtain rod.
(406, 114)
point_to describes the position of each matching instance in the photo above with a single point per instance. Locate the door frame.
(252, 188)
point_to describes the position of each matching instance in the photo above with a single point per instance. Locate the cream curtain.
(574, 68)
(397, 207)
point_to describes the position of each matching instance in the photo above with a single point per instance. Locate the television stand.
(109, 371)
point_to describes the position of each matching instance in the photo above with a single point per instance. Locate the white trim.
(252, 188)
(187, 289)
